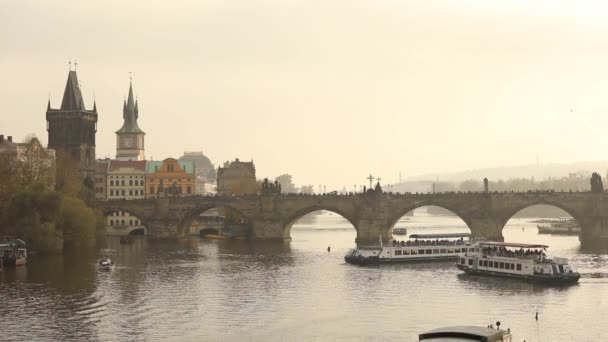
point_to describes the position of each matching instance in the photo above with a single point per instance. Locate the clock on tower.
(129, 142)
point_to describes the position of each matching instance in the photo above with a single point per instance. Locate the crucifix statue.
(371, 178)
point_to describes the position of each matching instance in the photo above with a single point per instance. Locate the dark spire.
(72, 97)
(136, 109)
(130, 114)
(94, 106)
(48, 106)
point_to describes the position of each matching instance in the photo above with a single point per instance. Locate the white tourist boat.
(423, 247)
(562, 227)
(517, 260)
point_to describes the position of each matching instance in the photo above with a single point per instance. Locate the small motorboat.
(105, 264)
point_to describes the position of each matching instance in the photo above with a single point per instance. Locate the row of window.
(123, 183)
(432, 251)
(112, 177)
(120, 213)
(178, 190)
(494, 264)
(124, 222)
(124, 193)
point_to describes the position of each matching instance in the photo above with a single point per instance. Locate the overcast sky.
(328, 91)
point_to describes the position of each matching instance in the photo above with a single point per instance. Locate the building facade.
(101, 179)
(26, 163)
(72, 128)
(125, 180)
(170, 177)
(237, 178)
(130, 138)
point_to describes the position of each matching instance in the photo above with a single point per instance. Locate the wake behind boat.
(527, 261)
(424, 247)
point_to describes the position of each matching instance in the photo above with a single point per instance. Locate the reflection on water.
(240, 290)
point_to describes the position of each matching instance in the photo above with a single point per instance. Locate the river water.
(200, 290)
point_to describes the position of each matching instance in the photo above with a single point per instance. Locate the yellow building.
(171, 177)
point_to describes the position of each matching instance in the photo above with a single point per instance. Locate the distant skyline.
(328, 91)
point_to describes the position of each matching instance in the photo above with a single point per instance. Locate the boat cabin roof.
(439, 236)
(9, 242)
(463, 333)
(511, 244)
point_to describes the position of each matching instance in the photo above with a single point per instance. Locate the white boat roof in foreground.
(464, 333)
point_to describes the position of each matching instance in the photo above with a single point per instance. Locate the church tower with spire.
(130, 138)
(72, 128)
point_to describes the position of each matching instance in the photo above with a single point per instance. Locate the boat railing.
(427, 243)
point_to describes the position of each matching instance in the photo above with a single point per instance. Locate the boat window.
(421, 251)
(470, 262)
(501, 265)
(519, 267)
(450, 251)
(406, 252)
(492, 264)
(512, 266)
(443, 251)
(462, 261)
(435, 251)
(414, 251)
(429, 251)
(397, 252)
(485, 263)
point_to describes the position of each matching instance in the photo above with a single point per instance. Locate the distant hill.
(540, 171)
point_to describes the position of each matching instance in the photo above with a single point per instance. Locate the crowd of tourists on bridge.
(435, 242)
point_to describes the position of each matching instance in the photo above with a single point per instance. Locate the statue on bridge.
(596, 183)
(269, 188)
(486, 187)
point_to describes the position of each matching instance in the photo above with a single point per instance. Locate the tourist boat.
(399, 231)
(563, 227)
(423, 247)
(467, 333)
(517, 260)
(13, 251)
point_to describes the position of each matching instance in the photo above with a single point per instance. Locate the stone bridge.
(372, 215)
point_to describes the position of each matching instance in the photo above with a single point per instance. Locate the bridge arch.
(400, 212)
(241, 218)
(503, 219)
(297, 215)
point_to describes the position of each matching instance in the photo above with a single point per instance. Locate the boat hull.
(561, 279)
(375, 260)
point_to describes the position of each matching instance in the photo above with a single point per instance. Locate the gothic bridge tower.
(72, 128)
(130, 138)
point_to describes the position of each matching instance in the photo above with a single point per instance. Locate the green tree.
(78, 223)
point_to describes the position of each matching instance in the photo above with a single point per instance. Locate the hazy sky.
(327, 91)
